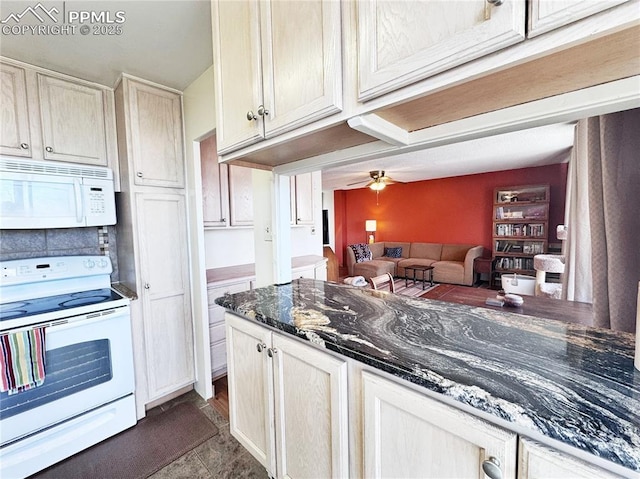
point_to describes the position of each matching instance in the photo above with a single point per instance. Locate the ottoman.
(372, 268)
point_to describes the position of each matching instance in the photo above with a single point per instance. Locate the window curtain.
(613, 159)
(577, 284)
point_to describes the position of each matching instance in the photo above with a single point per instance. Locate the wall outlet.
(268, 236)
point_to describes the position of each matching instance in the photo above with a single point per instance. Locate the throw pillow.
(362, 252)
(393, 252)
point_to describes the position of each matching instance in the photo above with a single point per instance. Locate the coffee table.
(416, 268)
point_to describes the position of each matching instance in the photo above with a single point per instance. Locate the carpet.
(412, 290)
(140, 451)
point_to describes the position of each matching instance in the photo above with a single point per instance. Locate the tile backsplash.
(18, 244)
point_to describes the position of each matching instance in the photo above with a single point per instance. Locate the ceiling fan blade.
(357, 182)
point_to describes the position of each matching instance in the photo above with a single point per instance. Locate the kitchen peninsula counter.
(567, 382)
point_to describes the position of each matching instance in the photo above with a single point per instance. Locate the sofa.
(452, 263)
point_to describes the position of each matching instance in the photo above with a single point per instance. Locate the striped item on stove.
(22, 364)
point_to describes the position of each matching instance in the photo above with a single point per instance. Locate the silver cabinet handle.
(49, 149)
(24, 146)
(491, 468)
(262, 111)
(496, 3)
(139, 174)
(260, 347)
(146, 286)
(223, 220)
(251, 116)
(271, 352)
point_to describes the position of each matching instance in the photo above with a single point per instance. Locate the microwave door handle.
(77, 189)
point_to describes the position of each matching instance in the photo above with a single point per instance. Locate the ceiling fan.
(378, 180)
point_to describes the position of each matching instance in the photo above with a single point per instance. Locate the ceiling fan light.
(377, 186)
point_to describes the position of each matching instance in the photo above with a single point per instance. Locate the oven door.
(89, 363)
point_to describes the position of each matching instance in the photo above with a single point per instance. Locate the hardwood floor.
(220, 400)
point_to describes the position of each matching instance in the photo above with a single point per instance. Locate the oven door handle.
(77, 190)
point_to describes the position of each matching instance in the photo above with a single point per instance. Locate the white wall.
(199, 121)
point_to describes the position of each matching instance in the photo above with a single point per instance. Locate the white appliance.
(88, 390)
(50, 194)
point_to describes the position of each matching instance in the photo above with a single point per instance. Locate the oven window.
(68, 370)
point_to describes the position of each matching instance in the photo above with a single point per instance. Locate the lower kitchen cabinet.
(407, 434)
(536, 461)
(287, 402)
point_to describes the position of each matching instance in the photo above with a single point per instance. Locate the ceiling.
(164, 41)
(527, 148)
(169, 42)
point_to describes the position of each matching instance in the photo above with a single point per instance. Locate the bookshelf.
(520, 229)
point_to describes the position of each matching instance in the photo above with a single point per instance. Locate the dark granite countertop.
(565, 381)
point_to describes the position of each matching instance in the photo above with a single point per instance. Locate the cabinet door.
(302, 63)
(240, 196)
(250, 386)
(73, 121)
(165, 292)
(311, 411)
(403, 41)
(236, 53)
(215, 188)
(546, 15)
(15, 139)
(156, 135)
(536, 461)
(407, 434)
(304, 204)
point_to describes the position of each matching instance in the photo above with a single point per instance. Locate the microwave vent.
(54, 168)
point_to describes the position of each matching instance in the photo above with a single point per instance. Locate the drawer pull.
(491, 468)
(24, 146)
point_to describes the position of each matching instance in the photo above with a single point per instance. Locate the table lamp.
(370, 228)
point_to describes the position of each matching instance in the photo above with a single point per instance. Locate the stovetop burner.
(62, 302)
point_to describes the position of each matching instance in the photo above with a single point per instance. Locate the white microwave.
(50, 194)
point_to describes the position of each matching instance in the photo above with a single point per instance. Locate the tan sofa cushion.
(449, 272)
(455, 252)
(377, 249)
(372, 268)
(426, 250)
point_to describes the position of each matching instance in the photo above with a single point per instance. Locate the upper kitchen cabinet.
(14, 128)
(302, 199)
(278, 67)
(156, 138)
(49, 116)
(403, 41)
(545, 15)
(215, 186)
(73, 121)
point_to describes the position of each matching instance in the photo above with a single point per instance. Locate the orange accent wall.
(446, 210)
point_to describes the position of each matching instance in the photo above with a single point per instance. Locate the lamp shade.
(370, 225)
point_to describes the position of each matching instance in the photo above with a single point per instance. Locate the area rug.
(138, 452)
(412, 290)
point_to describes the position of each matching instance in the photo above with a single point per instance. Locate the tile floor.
(219, 457)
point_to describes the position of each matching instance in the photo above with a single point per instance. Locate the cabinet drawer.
(217, 291)
(217, 332)
(218, 358)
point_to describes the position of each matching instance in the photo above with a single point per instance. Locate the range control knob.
(103, 263)
(89, 264)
